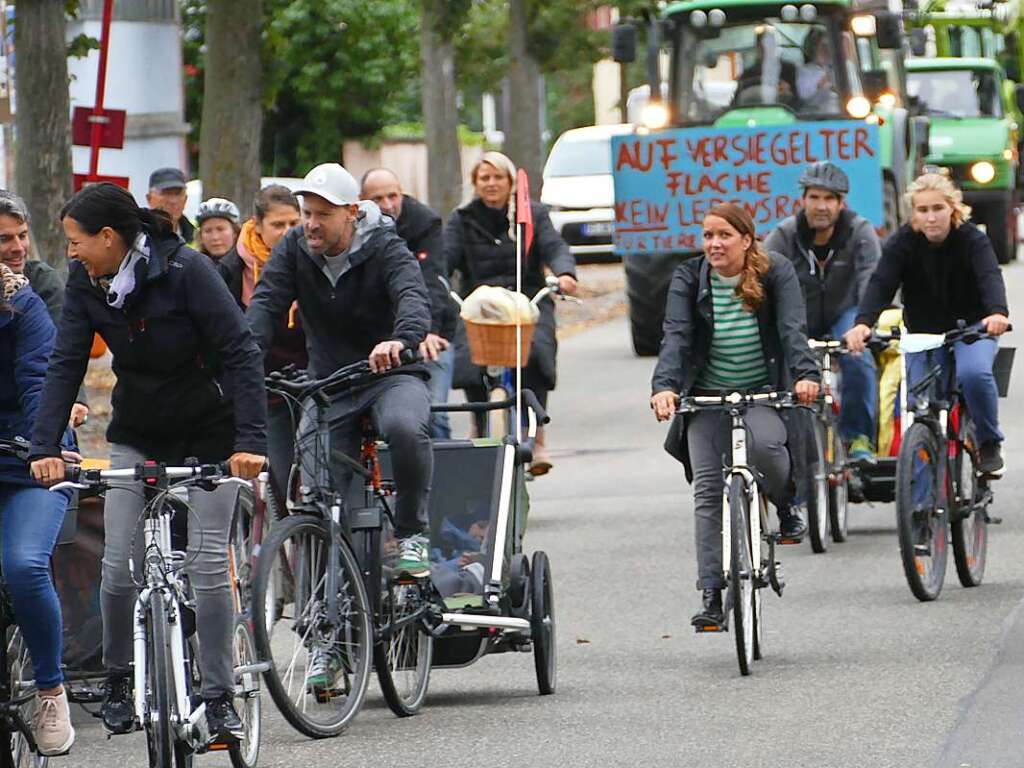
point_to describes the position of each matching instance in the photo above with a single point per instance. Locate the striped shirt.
(736, 359)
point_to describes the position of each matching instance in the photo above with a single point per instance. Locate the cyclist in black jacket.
(189, 384)
(361, 296)
(947, 271)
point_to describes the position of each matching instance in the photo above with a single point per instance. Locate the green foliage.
(79, 47)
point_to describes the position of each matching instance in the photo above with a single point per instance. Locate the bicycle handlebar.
(296, 383)
(529, 398)
(736, 400)
(85, 479)
(17, 447)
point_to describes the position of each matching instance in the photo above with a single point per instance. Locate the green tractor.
(768, 63)
(969, 94)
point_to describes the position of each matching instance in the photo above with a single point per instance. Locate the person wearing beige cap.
(361, 296)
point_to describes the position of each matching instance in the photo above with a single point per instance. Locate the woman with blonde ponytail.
(734, 321)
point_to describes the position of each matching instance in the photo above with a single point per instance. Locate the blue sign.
(666, 182)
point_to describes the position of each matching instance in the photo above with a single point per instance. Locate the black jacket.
(420, 227)
(381, 297)
(477, 245)
(289, 347)
(958, 280)
(189, 375)
(689, 326)
(854, 251)
(47, 284)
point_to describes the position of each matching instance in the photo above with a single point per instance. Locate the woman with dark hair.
(276, 210)
(31, 515)
(479, 244)
(189, 384)
(734, 321)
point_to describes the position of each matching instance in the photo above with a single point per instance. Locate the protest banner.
(665, 182)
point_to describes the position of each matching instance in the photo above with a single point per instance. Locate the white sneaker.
(52, 725)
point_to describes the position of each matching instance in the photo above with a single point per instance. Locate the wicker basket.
(493, 344)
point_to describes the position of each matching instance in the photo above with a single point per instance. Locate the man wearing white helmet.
(361, 296)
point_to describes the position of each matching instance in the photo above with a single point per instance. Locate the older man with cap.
(835, 251)
(361, 296)
(167, 193)
(43, 279)
(420, 227)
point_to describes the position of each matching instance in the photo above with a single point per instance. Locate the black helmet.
(827, 176)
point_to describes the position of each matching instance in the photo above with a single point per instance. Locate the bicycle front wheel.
(247, 696)
(403, 655)
(20, 675)
(969, 528)
(741, 575)
(921, 521)
(319, 658)
(816, 491)
(165, 750)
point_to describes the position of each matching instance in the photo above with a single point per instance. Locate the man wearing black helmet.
(835, 251)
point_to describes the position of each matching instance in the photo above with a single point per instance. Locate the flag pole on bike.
(524, 239)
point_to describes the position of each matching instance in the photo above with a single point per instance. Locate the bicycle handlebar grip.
(73, 473)
(409, 356)
(534, 404)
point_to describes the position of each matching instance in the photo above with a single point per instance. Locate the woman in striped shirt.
(734, 320)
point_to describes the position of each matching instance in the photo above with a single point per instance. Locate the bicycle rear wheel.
(741, 575)
(319, 664)
(969, 528)
(403, 657)
(816, 491)
(839, 486)
(921, 522)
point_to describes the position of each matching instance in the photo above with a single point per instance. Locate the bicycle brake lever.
(67, 485)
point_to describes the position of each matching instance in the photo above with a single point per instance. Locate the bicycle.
(326, 561)
(165, 673)
(940, 494)
(17, 687)
(748, 543)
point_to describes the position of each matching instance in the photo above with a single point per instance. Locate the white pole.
(520, 232)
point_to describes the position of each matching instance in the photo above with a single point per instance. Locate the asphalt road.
(858, 672)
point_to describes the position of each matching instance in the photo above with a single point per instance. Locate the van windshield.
(580, 157)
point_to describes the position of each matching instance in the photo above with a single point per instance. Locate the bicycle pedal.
(785, 540)
(706, 628)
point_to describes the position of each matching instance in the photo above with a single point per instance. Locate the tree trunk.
(523, 141)
(440, 113)
(232, 121)
(43, 122)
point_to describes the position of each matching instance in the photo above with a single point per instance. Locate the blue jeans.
(32, 518)
(858, 387)
(441, 373)
(974, 376)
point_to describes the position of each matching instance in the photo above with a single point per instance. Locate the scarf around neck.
(254, 254)
(130, 275)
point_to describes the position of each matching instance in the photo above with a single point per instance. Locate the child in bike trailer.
(734, 320)
(31, 515)
(947, 271)
(189, 384)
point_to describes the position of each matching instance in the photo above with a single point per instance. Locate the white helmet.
(218, 208)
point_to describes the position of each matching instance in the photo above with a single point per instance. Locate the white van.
(578, 188)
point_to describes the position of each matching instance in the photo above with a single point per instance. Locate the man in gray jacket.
(835, 251)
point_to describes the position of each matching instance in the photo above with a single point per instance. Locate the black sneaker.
(791, 524)
(990, 459)
(711, 613)
(223, 721)
(118, 710)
